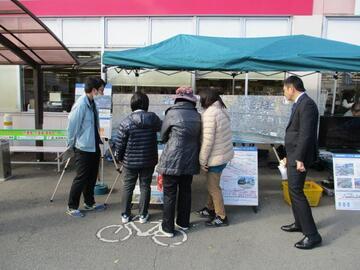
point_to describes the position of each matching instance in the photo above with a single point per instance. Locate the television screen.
(339, 132)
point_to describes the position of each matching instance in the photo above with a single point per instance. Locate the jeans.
(130, 177)
(171, 185)
(87, 167)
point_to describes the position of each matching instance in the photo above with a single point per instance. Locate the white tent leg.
(334, 94)
(246, 83)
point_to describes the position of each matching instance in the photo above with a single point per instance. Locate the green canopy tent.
(283, 53)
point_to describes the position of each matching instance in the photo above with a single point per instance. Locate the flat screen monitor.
(339, 132)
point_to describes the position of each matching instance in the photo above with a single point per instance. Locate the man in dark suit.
(301, 152)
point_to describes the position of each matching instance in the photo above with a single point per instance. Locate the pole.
(334, 93)
(193, 81)
(233, 75)
(39, 106)
(136, 80)
(246, 83)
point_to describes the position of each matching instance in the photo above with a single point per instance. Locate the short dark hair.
(139, 101)
(208, 97)
(296, 82)
(93, 82)
(177, 100)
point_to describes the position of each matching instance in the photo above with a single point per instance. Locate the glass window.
(347, 92)
(59, 83)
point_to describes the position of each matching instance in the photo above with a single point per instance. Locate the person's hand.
(283, 162)
(300, 166)
(205, 168)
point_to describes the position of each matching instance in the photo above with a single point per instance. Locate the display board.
(254, 119)
(33, 134)
(239, 180)
(347, 181)
(156, 195)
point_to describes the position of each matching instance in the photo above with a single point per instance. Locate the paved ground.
(36, 234)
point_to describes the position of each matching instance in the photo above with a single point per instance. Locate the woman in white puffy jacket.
(216, 151)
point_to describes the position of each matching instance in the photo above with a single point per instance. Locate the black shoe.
(291, 228)
(217, 222)
(309, 242)
(206, 213)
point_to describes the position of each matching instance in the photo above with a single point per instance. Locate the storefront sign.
(347, 181)
(65, 8)
(239, 180)
(33, 134)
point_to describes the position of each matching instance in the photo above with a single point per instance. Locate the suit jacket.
(301, 132)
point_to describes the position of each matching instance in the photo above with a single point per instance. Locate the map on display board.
(239, 180)
(254, 119)
(103, 104)
(347, 181)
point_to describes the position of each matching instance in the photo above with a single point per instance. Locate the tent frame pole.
(246, 83)
(136, 80)
(334, 93)
(233, 75)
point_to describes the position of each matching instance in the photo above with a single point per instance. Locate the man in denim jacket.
(84, 138)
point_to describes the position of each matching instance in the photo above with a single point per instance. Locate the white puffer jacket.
(216, 146)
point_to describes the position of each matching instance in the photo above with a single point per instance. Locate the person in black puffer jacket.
(136, 148)
(180, 159)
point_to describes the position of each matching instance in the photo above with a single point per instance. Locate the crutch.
(118, 169)
(67, 154)
(60, 179)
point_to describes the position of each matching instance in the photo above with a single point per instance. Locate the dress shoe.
(291, 228)
(309, 242)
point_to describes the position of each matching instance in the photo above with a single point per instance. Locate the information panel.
(347, 181)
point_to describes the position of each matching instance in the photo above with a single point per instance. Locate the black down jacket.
(136, 140)
(181, 132)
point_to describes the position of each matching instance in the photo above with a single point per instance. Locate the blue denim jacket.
(81, 128)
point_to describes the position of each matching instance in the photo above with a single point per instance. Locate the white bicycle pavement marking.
(155, 233)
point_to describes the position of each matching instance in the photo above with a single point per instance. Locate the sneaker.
(166, 234)
(74, 213)
(182, 227)
(95, 207)
(125, 218)
(143, 219)
(217, 222)
(206, 213)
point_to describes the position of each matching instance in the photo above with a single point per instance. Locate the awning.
(283, 53)
(25, 40)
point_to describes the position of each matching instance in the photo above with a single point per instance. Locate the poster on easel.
(79, 90)
(239, 180)
(347, 181)
(103, 104)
